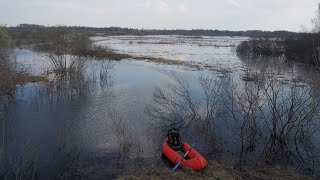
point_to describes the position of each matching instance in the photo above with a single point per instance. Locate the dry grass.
(160, 42)
(160, 60)
(100, 52)
(213, 171)
(274, 174)
(216, 171)
(105, 53)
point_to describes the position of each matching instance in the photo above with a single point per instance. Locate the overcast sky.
(163, 14)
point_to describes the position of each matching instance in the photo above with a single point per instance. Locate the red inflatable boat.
(196, 161)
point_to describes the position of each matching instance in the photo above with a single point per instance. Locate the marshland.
(96, 103)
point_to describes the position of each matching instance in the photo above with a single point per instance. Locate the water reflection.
(276, 67)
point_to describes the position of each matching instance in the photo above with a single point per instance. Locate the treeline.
(261, 46)
(24, 29)
(305, 49)
(36, 34)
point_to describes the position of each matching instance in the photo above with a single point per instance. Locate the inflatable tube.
(196, 161)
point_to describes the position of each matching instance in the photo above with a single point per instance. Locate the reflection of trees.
(72, 82)
(123, 136)
(105, 75)
(79, 80)
(276, 123)
(268, 66)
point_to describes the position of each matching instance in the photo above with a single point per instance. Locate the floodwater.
(101, 129)
(213, 51)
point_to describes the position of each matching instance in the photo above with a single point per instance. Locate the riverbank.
(217, 171)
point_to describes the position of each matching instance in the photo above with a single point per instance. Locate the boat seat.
(174, 139)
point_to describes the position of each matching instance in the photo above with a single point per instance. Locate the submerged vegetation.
(10, 75)
(61, 44)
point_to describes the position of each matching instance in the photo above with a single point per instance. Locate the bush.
(5, 47)
(304, 49)
(261, 46)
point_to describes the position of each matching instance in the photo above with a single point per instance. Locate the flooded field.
(110, 117)
(206, 51)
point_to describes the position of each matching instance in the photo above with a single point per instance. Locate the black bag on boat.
(174, 139)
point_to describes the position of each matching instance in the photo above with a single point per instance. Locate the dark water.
(103, 129)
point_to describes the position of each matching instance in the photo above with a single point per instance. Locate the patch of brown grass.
(216, 171)
(164, 61)
(101, 53)
(213, 171)
(160, 42)
(274, 173)
(105, 53)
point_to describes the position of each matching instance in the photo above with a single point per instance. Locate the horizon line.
(206, 29)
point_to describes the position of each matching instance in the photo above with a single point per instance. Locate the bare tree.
(174, 106)
(241, 108)
(281, 118)
(275, 123)
(316, 21)
(292, 113)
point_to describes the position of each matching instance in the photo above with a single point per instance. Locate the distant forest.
(27, 28)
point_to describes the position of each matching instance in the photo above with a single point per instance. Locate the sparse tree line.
(27, 31)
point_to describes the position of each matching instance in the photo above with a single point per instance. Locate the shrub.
(5, 47)
(304, 49)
